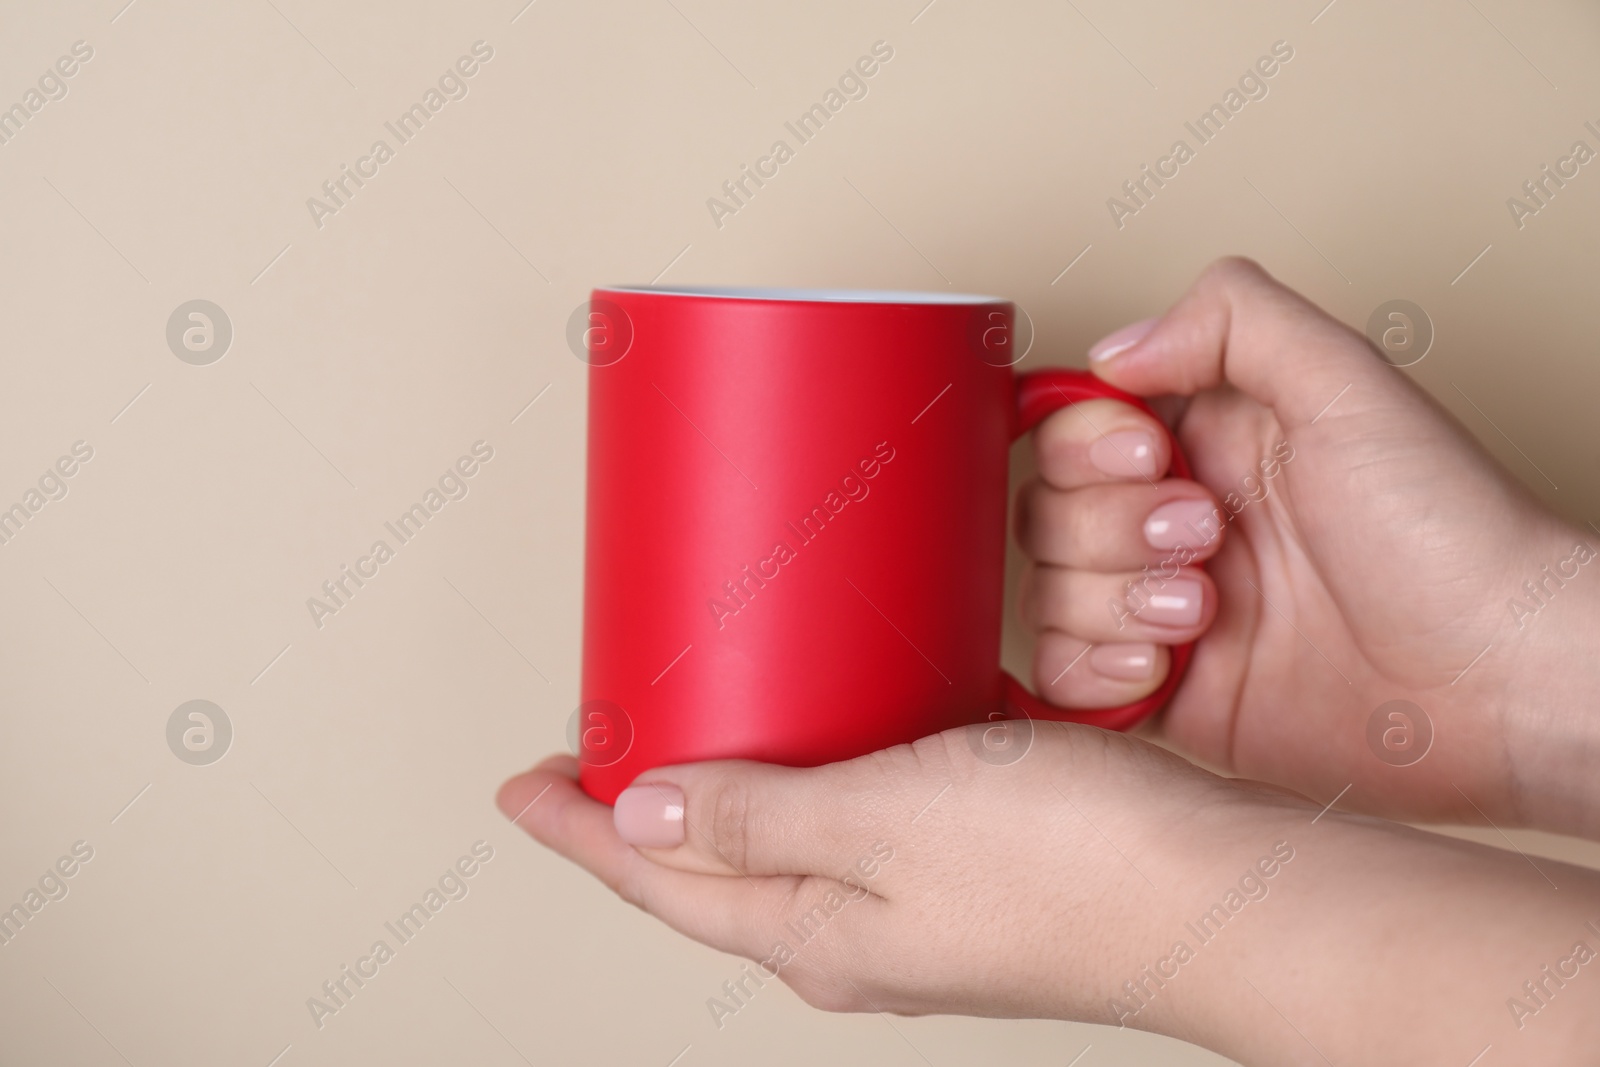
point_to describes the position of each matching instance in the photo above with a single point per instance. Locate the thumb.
(743, 818)
(1239, 325)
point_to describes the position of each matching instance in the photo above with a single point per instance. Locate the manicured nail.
(1113, 345)
(650, 815)
(1190, 523)
(1176, 603)
(1126, 453)
(1124, 662)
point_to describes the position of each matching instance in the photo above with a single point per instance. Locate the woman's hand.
(1365, 550)
(1096, 878)
(926, 879)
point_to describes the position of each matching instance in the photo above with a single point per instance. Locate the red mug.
(795, 546)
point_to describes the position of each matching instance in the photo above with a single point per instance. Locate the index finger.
(1099, 441)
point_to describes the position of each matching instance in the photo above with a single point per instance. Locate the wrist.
(1549, 711)
(1312, 963)
(1222, 859)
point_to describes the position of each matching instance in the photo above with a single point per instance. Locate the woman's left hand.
(1079, 874)
(919, 879)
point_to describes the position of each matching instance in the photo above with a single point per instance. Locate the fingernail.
(1127, 452)
(1126, 663)
(1113, 345)
(1176, 603)
(1190, 523)
(650, 815)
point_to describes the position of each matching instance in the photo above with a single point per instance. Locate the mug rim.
(811, 296)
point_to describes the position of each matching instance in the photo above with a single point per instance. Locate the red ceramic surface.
(796, 525)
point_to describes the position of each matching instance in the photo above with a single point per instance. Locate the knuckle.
(1060, 430)
(1053, 602)
(1080, 523)
(937, 754)
(1233, 271)
(630, 886)
(730, 822)
(949, 757)
(1054, 525)
(1088, 514)
(1050, 681)
(1089, 747)
(1030, 595)
(895, 772)
(1052, 654)
(826, 990)
(1027, 508)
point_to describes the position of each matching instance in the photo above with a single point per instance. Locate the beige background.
(431, 310)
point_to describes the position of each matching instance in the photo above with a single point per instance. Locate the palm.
(1376, 568)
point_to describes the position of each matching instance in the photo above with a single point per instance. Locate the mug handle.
(1038, 394)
